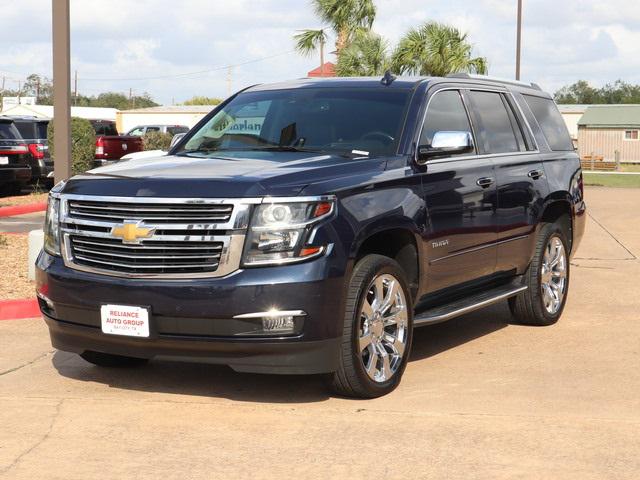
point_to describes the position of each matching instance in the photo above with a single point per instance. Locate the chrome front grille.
(156, 212)
(189, 237)
(147, 257)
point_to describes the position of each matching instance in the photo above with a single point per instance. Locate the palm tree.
(438, 50)
(365, 56)
(308, 41)
(344, 17)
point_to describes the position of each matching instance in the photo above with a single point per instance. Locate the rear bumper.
(15, 174)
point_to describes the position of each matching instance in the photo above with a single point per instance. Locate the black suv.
(308, 227)
(15, 171)
(34, 133)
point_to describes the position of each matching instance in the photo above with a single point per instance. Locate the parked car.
(141, 130)
(310, 226)
(34, 132)
(15, 171)
(154, 153)
(111, 146)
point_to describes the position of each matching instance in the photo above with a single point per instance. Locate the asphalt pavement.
(481, 398)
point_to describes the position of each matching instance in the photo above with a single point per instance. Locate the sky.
(177, 49)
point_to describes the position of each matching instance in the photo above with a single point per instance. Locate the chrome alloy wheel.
(383, 329)
(553, 275)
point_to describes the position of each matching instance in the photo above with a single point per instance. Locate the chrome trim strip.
(475, 249)
(273, 313)
(426, 320)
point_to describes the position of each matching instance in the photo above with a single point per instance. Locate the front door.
(460, 196)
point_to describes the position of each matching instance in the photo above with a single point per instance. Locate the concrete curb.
(22, 209)
(18, 309)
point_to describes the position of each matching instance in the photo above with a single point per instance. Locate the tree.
(39, 87)
(202, 100)
(578, 93)
(308, 41)
(581, 92)
(436, 49)
(83, 144)
(365, 56)
(344, 17)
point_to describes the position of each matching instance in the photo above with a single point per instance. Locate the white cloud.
(562, 41)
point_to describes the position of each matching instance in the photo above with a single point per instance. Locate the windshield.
(362, 121)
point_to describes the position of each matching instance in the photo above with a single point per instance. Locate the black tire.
(528, 307)
(112, 361)
(351, 378)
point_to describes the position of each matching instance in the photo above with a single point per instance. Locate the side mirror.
(446, 143)
(176, 138)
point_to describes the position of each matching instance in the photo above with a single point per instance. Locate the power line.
(177, 75)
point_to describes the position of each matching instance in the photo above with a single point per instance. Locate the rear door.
(521, 183)
(460, 196)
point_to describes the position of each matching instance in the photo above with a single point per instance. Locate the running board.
(460, 307)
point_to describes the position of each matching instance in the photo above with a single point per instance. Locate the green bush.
(156, 141)
(83, 144)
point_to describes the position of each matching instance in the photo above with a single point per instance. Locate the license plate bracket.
(125, 320)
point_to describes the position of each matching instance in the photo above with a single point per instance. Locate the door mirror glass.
(176, 138)
(446, 143)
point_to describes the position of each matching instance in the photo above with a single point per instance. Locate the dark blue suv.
(309, 226)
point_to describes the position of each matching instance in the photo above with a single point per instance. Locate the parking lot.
(481, 397)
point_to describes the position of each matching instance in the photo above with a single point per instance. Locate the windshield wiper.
(285, 148)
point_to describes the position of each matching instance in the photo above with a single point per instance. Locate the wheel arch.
(558, 208)
(400, 243)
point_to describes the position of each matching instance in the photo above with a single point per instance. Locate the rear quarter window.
(551, 123)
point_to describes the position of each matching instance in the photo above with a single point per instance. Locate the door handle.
(484, 182)
(535, 174)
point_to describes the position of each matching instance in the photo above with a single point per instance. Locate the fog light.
(273, 322)
(282, 324)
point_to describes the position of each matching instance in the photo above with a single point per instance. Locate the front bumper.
(191, 319)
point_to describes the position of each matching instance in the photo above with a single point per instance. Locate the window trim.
(467, 111)
(624, 135)
(463, 89)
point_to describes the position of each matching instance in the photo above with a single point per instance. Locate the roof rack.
(494, 79)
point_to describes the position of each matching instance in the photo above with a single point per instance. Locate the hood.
(236, 174)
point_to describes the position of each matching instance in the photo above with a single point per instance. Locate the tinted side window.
(494, 131)
(446, 113)
(25, 129)
(551, 122)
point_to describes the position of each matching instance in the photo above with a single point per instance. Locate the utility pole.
(61, 89)
(19, 90)
(37, 90)
(518, 39)
(229, 81)
(75, 87)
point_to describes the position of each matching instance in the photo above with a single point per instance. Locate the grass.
(611, 180)
(3, 241)
(630, 168)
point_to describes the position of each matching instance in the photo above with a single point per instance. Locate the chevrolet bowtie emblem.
(131, 231)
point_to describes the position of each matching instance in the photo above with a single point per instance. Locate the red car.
(111, 146)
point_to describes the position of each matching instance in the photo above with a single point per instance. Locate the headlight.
(279, 230)
(52, 227)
